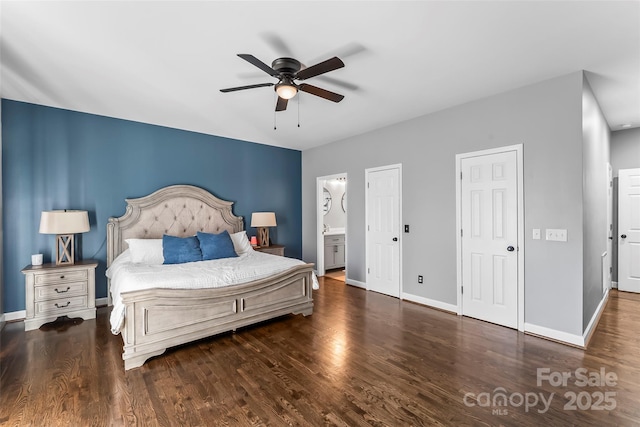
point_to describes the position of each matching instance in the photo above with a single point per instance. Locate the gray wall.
(546, 118)
(595, 156)
(625, 150)
(625, 154)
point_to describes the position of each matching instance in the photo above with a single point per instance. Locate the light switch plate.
(536, 234)
(561, 235)
(556, 234)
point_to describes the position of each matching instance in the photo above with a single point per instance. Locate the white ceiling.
(164, 62)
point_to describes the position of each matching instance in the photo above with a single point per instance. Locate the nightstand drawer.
(61, 306)
(61, 290)
(61, 277)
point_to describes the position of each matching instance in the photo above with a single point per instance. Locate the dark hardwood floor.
(361, 359)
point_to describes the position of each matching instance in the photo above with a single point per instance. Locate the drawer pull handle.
(63, 306)
(62, 277)
(62, 292)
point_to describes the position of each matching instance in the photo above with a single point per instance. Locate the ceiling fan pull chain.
(299, 109)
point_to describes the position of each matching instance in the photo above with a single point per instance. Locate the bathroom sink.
(334, 231)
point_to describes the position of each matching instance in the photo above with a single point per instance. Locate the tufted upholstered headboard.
(178, 210)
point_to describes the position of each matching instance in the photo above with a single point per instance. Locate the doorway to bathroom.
(331, 234)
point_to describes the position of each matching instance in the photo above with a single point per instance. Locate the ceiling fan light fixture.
(286, 90)
(287, 71)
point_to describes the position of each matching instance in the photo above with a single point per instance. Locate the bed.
(158, 318)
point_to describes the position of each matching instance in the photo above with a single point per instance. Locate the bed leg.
(138, 360)
(306, 312)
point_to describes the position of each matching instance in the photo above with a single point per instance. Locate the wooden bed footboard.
(157, 319)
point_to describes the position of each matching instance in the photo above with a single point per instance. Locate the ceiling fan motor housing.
(286, 65)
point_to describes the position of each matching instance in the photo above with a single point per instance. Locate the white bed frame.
(157, 319)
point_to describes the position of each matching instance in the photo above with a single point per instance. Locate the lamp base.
(263, 236)
(64, 249)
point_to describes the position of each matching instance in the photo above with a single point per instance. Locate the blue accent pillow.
(216, 246)
(178, 250)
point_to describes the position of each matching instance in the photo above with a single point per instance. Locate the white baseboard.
(356, 283)
(596, 316)
(102, 301)
(413, 298)
(568, 338)
(614, 285)
(554, 334)
(431, 303)
(15, 315)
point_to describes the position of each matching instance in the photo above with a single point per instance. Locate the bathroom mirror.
(344, 202)
(326, 201)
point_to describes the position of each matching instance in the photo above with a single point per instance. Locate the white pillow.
(241, 243)
(146, 251)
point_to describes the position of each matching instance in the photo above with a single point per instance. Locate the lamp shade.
(64, 222)
(263, 219)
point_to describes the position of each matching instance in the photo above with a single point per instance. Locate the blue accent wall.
(61, 159)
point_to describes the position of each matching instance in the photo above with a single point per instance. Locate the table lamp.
(64, 224)
(262, 221)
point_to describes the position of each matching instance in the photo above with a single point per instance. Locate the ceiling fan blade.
(345, 51)
(321, 68)
(277, 43)
(281, 104)
(338, 82)
(232, 89)
(255, 61)
(322, 93)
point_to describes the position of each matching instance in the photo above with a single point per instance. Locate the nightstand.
(53, 291)
(272, 249)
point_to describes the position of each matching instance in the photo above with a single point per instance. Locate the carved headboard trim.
(177, 210)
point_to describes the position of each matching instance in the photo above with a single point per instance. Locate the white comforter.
(128, 276)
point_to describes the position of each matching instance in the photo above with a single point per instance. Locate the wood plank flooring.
(336, 274)
(361, 359)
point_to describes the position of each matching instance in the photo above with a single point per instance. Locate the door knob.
(510, 248)
(624, 236)
(395, 239)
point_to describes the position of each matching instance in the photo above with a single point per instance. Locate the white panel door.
(629, 230)
(489, 212)
(607, 264)
(383, 231)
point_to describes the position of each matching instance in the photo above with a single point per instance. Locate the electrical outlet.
(419, 279)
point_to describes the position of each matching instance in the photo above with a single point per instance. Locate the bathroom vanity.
(334, 253)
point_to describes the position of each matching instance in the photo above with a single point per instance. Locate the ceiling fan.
(287, 71)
